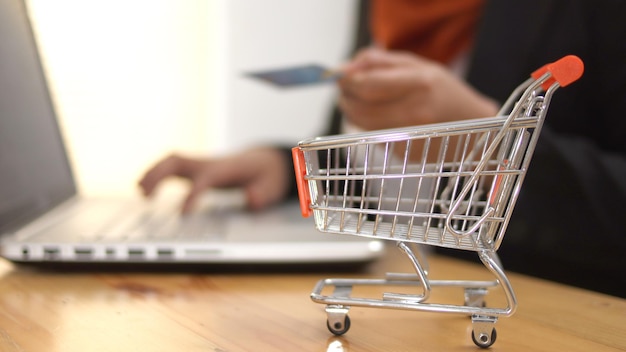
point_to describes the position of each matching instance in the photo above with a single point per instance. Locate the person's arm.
(265, 174)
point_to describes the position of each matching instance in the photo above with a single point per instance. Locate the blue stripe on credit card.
(297, 75)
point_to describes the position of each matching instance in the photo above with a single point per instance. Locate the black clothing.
(566, 225)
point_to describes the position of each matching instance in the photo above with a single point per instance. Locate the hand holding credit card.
(297, 75)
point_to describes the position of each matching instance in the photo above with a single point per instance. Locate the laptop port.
(51, 253)
(165, 253)
(136, 253)
(83, 253)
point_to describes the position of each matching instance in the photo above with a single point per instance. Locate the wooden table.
(253, 311)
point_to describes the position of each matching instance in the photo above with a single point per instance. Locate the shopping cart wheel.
(485, 340)
(338, 328)
(483, 330)
(338, 321)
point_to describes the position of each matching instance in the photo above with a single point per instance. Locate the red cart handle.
(565, 70)
(303, 190)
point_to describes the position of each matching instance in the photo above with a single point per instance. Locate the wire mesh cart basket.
(450, 185)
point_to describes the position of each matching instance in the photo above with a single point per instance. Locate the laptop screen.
(34, 170)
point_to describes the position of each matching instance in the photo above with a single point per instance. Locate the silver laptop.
(44, 220)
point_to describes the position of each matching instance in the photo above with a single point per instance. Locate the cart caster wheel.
(485, 340)
(338, 328)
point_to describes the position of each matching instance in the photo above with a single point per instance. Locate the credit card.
(297, 75)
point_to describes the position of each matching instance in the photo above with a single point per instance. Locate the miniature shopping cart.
(451, 185)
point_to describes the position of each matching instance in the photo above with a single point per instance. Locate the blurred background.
(134, 80)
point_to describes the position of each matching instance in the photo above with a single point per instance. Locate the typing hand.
(261, 172)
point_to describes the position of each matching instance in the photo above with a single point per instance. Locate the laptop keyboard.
(165, 225)
(131, 222)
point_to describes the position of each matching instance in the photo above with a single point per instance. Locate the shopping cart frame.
(491, 153)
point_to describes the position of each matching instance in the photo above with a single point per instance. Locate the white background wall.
(130, 81)
(134, 80)
(275, 33)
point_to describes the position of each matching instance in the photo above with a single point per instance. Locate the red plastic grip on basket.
(497, 183)
(303, 189)
(566, 70)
